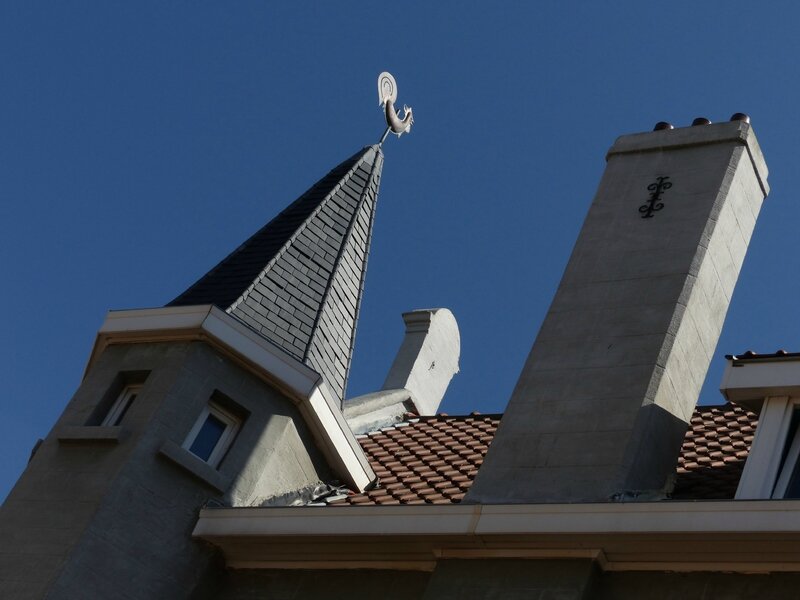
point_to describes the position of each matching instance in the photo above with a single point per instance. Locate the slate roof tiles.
(298, 280)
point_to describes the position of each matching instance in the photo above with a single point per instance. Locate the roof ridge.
(427, 418)
(462, 417)
(362, 279)
(723, 406)
(332, 333)
(337, 263)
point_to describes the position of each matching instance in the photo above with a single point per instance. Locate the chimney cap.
(663, 125)
(701, 121)
(740, 117)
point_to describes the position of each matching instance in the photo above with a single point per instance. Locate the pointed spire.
(298, 280)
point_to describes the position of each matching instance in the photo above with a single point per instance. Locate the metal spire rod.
(383, 137)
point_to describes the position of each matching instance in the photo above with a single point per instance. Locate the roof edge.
(266, 360)
(609, 533)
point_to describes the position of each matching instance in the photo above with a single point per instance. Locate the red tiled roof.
(713, 453)
(428, 460)
(433, 460)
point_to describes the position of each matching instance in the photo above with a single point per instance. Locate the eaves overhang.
(748, 380)
(298, 382)
(736, 536)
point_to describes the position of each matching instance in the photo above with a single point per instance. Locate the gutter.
(741, 536)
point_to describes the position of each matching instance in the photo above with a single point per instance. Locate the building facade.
(211, 452)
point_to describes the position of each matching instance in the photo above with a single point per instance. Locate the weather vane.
(387, 96)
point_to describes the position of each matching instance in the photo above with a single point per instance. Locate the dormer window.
(788, 481)
(769, 385)
(772, 467)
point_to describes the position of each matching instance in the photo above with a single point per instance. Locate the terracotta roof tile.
(713, 454)
(430, 460)
(433, 460)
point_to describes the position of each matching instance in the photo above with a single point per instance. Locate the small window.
(121, 405)
(212, 434)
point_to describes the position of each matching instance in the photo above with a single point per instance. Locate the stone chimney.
(419, 376)
(604, 399)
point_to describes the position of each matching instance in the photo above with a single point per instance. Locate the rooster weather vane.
(387, 96)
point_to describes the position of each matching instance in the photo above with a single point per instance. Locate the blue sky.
(141, 142)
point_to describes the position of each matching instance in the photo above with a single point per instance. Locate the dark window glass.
(793, 488)
(207, 438)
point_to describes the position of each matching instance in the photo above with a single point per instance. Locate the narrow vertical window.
(788, 482)
(121, 405)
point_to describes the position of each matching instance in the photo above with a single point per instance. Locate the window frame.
(122, 403)
(773, 453)
(791, 447)
(232, 425)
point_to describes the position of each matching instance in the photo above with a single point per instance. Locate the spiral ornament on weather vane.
(387, 96)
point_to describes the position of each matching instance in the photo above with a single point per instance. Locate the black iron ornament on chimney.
(654, 203)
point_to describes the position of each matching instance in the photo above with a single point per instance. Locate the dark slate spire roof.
(298, 280)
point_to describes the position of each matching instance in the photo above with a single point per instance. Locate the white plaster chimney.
(427, 359)
(604, 399)
(419, 376)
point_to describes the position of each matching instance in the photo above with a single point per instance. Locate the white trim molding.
(231, 424)
(300, 383)
(785, 486)
(749, 381)
(121, 405)
(770, 386)
(766, 451)
(737, 536)
(209, 322)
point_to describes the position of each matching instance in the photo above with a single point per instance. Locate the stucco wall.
(104, 519)
(506, 579)
(324, 585)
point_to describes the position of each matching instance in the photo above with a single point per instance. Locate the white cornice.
(748, 382)
(750, 536)
(500, 519)
(299, 382)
